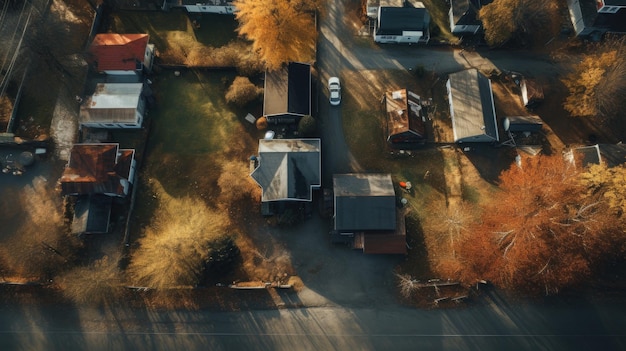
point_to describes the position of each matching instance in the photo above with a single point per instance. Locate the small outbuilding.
(472, 107)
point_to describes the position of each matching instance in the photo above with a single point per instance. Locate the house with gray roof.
(287, 93)
(472, 108)
(288, 169)
(463, 16)
(404, 24)
(596, 17)
(365, 209)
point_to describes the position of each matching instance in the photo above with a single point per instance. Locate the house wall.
(121, 73)
(286, 118)
(409, 37)
(148, 58)
(203, 8)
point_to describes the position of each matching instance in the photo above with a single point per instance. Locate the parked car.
(334, 87)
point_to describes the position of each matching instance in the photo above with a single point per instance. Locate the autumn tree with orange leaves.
(542, 232)
(281, 31)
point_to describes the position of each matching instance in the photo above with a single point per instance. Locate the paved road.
(496, 326)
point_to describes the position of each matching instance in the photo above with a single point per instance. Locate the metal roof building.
(471, 107)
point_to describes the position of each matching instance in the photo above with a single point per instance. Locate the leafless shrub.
(98, 283)
(177, 244)
(407, 285)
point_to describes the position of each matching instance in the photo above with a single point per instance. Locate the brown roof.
(384, 242)
(403, 112)
(97, 169)
(121, 52)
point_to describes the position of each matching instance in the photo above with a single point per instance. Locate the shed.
(115, 106)
(471, 107)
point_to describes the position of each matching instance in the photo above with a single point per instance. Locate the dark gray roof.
(615, 2)
(395, 20)
(473, 109)
(92, 214)
(288, 90)
(465, 12)
(288, 169)
(364, 202)
(613, 154)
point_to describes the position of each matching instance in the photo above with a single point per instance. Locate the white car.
(334, 87)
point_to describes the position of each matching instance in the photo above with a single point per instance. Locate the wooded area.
(545, 229)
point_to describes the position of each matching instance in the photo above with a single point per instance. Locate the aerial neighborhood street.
(366, 175)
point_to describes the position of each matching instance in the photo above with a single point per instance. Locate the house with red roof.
(121, 54)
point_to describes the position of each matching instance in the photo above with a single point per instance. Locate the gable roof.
(112, 103)
(403, 113)
(288, 90)
(395, 20)
(118, 52)
(97, 169)
(364, 202)
(471, 106)
(288, 169)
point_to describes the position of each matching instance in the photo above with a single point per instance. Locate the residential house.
(471, 107)
(114, 105)
(365, 209)
(288, 169)
(596, 17)
(463, 16)
(406, 24)
(121, 54)
(405, 118)
(287, 93)
(101, 168)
